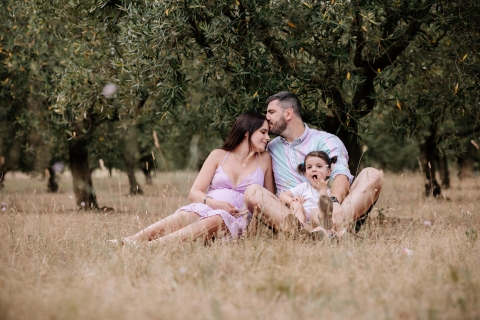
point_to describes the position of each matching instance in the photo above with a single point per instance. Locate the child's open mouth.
(315, 178)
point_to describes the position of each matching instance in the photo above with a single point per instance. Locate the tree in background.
(332, 54)
(27, 141)
(191, 63)
(434, 94)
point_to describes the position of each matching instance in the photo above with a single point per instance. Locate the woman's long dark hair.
(247, 122)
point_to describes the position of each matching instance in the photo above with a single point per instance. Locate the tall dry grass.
(54, 263)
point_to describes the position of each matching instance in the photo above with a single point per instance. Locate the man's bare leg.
(364, 191)
(266, 206)
(172, 223)
(205, 228)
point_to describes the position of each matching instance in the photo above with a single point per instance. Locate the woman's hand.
(223, 205)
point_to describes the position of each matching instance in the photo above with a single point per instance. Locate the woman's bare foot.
(122, 242)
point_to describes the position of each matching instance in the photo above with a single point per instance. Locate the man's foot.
(344, 235)
(325, 205)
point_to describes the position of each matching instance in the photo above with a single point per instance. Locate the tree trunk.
(427, 160)
(52, 185)
(193, 161)
(2, 172)
(354, 151)
(465, 168)
(82, 177)
(147, 165)
(131, 158)
(443, 169)
(2, 157)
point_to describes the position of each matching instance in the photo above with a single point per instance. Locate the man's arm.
(340, 187)
(340, 178)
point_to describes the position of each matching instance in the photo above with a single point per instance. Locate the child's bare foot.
(325, 205)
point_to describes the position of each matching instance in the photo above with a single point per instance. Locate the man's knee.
(372, 175)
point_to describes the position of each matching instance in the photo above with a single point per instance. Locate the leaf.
(465, 56)
(307, 5)
(255, 94)
(456, 88)
(399, 106)
(348, 75)
(291, 25)
(364, 28)
(475, 144)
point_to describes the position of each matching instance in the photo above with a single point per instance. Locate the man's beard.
(278, 127)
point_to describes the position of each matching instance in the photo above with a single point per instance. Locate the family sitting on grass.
(236, 182)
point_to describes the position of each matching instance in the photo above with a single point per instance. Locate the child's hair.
(319, 154)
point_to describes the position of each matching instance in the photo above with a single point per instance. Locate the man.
(351, 202)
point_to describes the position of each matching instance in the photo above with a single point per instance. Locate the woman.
(217, 193)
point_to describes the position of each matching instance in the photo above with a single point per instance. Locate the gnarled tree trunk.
(131, 156)
(428, 159)
(443, 169)
(2, 171)
(465, 167)
(81, 174)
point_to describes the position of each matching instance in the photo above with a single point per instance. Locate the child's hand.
(299, 199)
(322, 186)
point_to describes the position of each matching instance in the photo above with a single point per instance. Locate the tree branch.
(398, 46)
(197, 33)
(360, 40)
(270, 44)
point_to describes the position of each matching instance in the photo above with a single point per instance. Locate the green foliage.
(190, 67)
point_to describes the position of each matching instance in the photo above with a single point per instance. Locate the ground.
(417, 258)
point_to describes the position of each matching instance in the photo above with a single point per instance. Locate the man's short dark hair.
(288, 100)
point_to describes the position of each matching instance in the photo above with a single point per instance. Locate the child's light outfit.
(311, 196)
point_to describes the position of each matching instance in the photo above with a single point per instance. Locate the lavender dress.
(222, 189)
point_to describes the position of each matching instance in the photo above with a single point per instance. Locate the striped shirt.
(287, 156)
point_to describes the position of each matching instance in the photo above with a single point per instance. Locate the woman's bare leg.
(172, 223)
(205, 228)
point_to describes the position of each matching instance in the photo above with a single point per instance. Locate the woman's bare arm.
(268, 172)
(198, 192)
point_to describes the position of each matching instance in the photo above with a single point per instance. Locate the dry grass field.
(417, 258)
